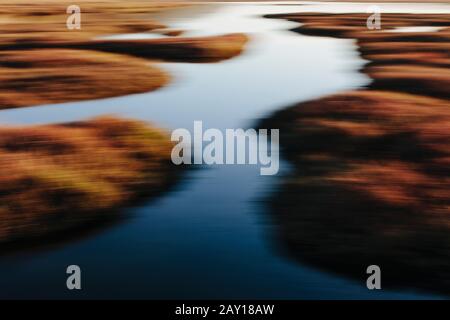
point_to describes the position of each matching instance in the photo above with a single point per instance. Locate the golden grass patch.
(41, 76)
(56, 177)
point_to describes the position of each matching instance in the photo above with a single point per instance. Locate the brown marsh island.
(56, 177)
(371, 183)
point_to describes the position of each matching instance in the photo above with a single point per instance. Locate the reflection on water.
(211, 238)
(416, 29)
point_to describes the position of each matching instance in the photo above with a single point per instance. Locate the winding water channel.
(212, 236)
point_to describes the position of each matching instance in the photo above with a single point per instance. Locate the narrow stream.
(212, 236)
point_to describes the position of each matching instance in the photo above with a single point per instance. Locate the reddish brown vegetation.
(57, 177)
(205, 49)
(37, 34)
(32, 77)
(371, 183)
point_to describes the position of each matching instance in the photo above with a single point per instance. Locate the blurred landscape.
(364, 137)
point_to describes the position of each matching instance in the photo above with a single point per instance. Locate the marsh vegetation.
(371, 179)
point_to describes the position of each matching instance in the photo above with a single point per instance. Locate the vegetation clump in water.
(55, 177)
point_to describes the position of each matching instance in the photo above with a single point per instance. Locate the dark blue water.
(211, 237)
